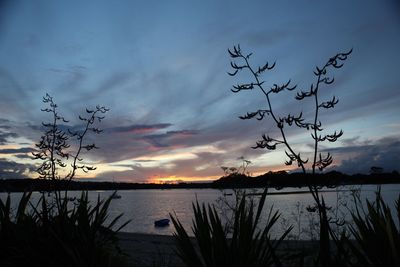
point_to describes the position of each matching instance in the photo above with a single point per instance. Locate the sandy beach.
(149, 250)
(158, 250)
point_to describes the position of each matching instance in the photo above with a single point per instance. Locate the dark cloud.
(14, 170)
(139, 129)
(4, 121)
(167, 139)
(23, 156)
(4, 136)
(383, 153)
(17, 150)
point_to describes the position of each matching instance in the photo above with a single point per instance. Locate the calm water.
(143, 207)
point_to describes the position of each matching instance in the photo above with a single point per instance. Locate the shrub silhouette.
(241, 62)
(54, 148)
(376, 234)
(248, 244)
(54, 231)
(39, 235)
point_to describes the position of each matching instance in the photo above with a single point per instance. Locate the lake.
(143, 207)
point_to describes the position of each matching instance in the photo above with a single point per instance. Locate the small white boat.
(161, 223)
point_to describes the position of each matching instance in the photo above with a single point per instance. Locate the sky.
(161, 68)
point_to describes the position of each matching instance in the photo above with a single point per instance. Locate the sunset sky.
(161, 67)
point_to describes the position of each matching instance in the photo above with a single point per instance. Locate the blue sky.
(161, 67)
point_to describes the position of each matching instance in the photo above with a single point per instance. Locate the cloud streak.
(139, 129)
(14, 170)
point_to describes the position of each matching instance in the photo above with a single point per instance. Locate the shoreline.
(329, 188)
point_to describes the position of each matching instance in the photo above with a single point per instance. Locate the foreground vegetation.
(372, 240)
(82, 234)
(44, 234)
(245, 245)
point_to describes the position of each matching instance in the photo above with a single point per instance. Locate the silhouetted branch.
(335, 62)
(54, 147)
(94, 116)
(322, 163)
(276, 89)
(52, 144)
(261, 113)
(268, 143)
(329, 104)
(264, 68)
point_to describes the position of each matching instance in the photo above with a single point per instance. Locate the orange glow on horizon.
(261, 170)
(188, 179)
(179, 179)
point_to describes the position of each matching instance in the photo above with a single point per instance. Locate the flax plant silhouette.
(241, 62)
(54, 148)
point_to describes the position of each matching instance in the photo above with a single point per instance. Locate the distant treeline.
(282, 179)
(277, 180)
(21, 185)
